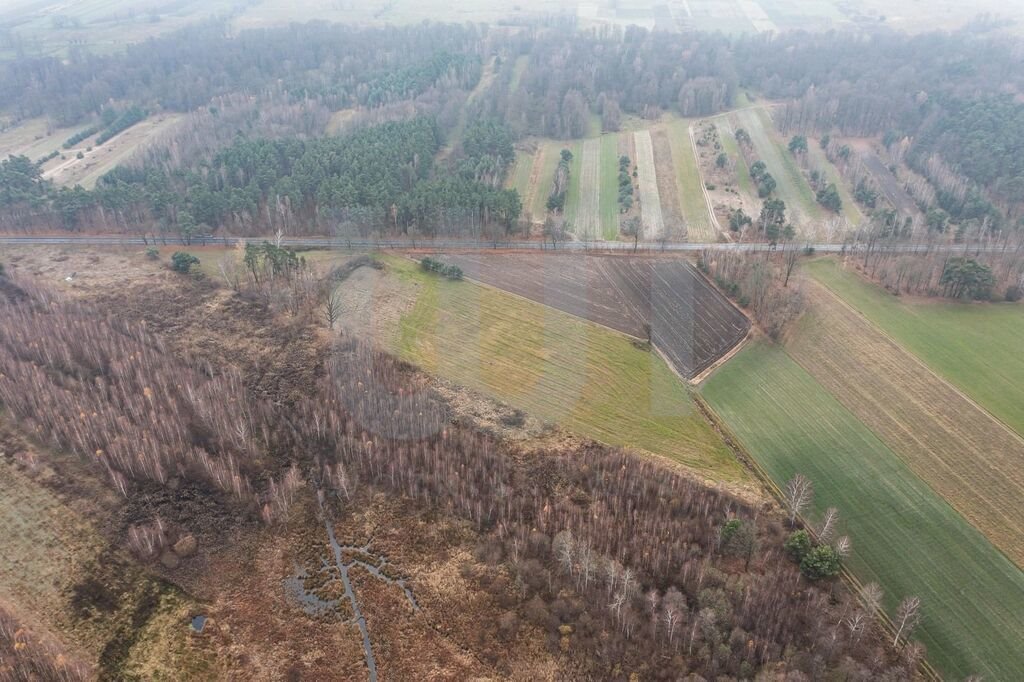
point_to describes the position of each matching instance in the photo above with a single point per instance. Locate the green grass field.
(610, 186)
(549, 162)
(691, 196)
(820, 161)
(558, 367)
(904, 536)
(517, 72)
(974, 346)
(519, 176)
(769, 147)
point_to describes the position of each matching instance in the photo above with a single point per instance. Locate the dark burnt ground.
(690, 322)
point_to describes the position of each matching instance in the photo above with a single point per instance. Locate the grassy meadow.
(558, 367)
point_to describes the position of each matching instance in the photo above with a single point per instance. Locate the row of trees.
(758, 282)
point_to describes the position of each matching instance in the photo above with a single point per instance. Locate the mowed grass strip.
(975, 346)
(792, 185)
(558, 367)
(549, 154)
(610, 187)
(973, 461)
(904, 535)
(699, 227)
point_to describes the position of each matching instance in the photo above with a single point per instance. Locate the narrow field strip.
(792, 185)
(610, 187)
(664, 166)
(699, 226)
(727, 135)
(904, 535)
(851, 211)
(588, 214)
(973, 461)
(547, 160)
(650, 200)
(976, 347)
(558, 367)
(572, 196)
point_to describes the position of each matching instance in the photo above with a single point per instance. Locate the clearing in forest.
(558, 367)
(699, 225)
(689, 321)
(974, 346)
(650, 200)
(973, 461)
(801, 206)
(905, 537)
(588, 211)
(610, 187)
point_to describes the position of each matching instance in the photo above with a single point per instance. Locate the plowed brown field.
(691, 323)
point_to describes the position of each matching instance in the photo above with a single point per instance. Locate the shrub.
(820, 562)
(1013, 292)
(798, 545)
(152, 253)
(450, 271)
(183, 262)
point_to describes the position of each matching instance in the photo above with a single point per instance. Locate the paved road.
(478, 245)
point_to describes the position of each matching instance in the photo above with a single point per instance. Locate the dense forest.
(943, 103)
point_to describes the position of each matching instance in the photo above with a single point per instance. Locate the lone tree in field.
(908, 615)
(632, 227)
(798, 494)
(183, 262)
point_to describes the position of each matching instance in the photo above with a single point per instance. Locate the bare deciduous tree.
(798, 494)
(908, 615)
(827, 528)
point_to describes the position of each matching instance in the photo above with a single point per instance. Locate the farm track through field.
(973, 461)
(650, 200)
(905, 536)
(691, 323)
(588, 215)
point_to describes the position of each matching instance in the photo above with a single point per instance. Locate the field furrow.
(905, 536)
(973, 461)
(588, 214)
(650, 200)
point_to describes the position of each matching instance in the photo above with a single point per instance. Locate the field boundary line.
(941, 379)
(743, 455)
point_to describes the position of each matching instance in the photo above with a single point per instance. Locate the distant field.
(558, 367)
(695, 209)
(976, 347)
(973, 461)
(34, 139)
(101, 159)
(905, 536)
(517, 72)
(801, 206)
(610, 186)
